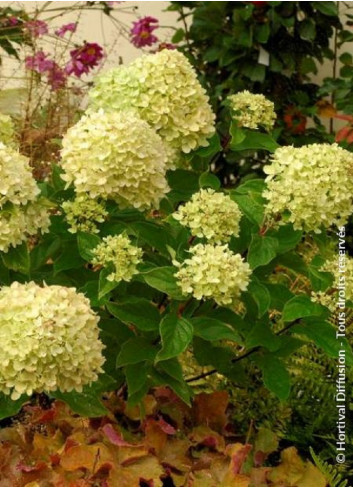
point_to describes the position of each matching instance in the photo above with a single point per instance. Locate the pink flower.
(56, 77)
(13, 20)
(84, 58)
(36, 28)
(141, 32)
(112, 4)
(39, 62)
(66, 28)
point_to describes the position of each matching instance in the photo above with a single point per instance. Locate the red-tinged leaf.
(114, 437)
(155, 437)
(89, 457)
(343, 133)
(210, 409)
(202, 435)
(238, 454)
(166, 427)
(23, 467)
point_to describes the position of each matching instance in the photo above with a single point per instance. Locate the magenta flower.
(66, 28)
(39, 62)
(56, 77)
(141, 32)
(13, 20)
(84, 58)
(36, 28)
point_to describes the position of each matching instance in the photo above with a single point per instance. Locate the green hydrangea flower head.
(252, 110)
(311, 186)
(83, 213)
(119, 253)
(7, 130)
(213, 272)
(115, 156)
(164, 89)
(211, 215)
(49, 340)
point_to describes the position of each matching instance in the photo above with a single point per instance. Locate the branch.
(245, 355)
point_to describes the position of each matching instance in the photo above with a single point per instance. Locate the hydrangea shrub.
(148, 247)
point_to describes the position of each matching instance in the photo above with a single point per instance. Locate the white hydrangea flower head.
(211, 215)
(252, 110)
(164, 88)
(311, 186)
(83, 213)
(17, 184)
(213, 272)
(118, 252)
(116, 156)
(7, 130)
(49, 340)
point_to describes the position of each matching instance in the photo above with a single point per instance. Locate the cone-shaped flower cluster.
(21, 212)
(49, 340)
(211, 215)
(119, 253)
(252, 110)
(116, 156)
(83, 213)
(213, 272)
(164, 89)
(311, 186)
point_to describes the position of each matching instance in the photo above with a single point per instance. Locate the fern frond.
(333, 477)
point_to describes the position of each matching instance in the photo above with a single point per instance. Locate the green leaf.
(86, 243)
(8, 407)
(255, 140)
(163, 279)
(307, 29)
(262, 250)
(301, 306)
(237, 134)
(327, 8)
(319, 280)
(84, 403)
(213, 330)
(180, 388)
(280, 295)
(68, 259)
(137, 382)
(176, 334)
(275, 375)
(104, 285)
(260, 294)
(249, 198)
(287, 237)
(210, 180)
(178, 35)
(139, 312)
(262, 32)
(323, 334)
(18, 259)
(88, 402)
(151, 234)
(214, 146)
(136, 350)
(262, 335)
